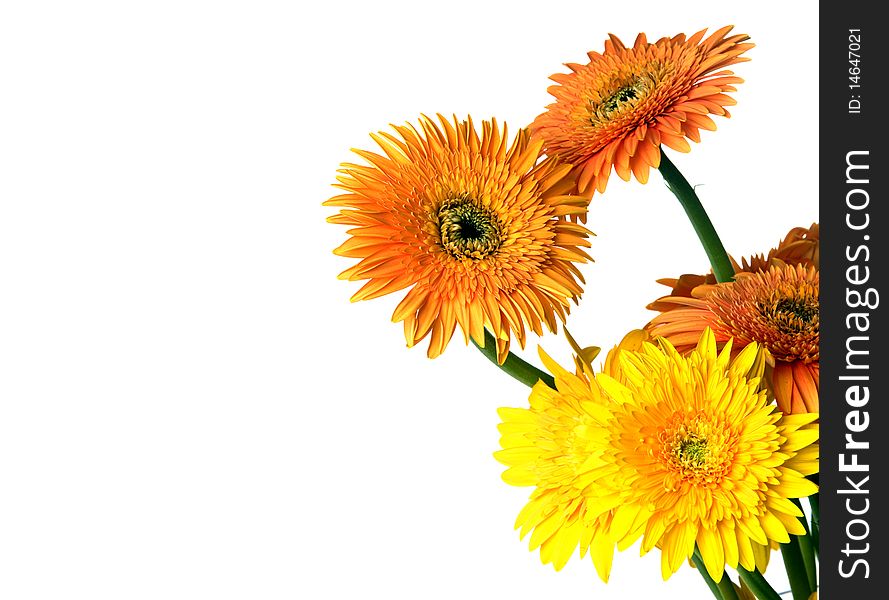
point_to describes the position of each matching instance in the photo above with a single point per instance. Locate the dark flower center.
(802, 309)
(791, 312)
(468, 230)
(622, 95)
(624, 92)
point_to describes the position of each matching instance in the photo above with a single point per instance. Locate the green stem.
(816, 522)
(719, 260)
(727, 588)
(758, 584)
(513, 365)
(807, 550)
(714, 587)
(796, 570)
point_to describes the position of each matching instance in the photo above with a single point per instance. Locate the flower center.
(792, 311)
(468, 230)
(625, 92)
(692, 452)
(803, 309)
(696, 450)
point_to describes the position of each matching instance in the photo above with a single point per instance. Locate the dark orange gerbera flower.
(777, 307)
(474, 225)
(616, 110)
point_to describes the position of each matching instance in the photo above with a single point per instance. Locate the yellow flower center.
(696, 449)
(468, 230)
(691, 452)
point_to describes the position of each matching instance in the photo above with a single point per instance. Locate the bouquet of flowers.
(698, 433)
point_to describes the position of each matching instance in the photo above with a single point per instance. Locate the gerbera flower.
(616, 110)
(777, 308)
(682, 450)
(473, 225)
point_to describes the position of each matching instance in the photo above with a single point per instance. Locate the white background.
(191, 408)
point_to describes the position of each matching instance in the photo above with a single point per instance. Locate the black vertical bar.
(854, 266)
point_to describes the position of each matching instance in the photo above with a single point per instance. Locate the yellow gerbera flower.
(779, 308)
(474, 225)
(616, 110)
(677, 450)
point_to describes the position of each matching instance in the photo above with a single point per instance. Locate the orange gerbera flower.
(473, 225)
(616, 110)
(778, 308)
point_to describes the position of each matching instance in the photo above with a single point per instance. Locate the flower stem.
(719, 260)
(513, 365)
(758, 584)
(727, 588)
(796, 570)
(714, 587)
(816, 522)
(807, 550)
